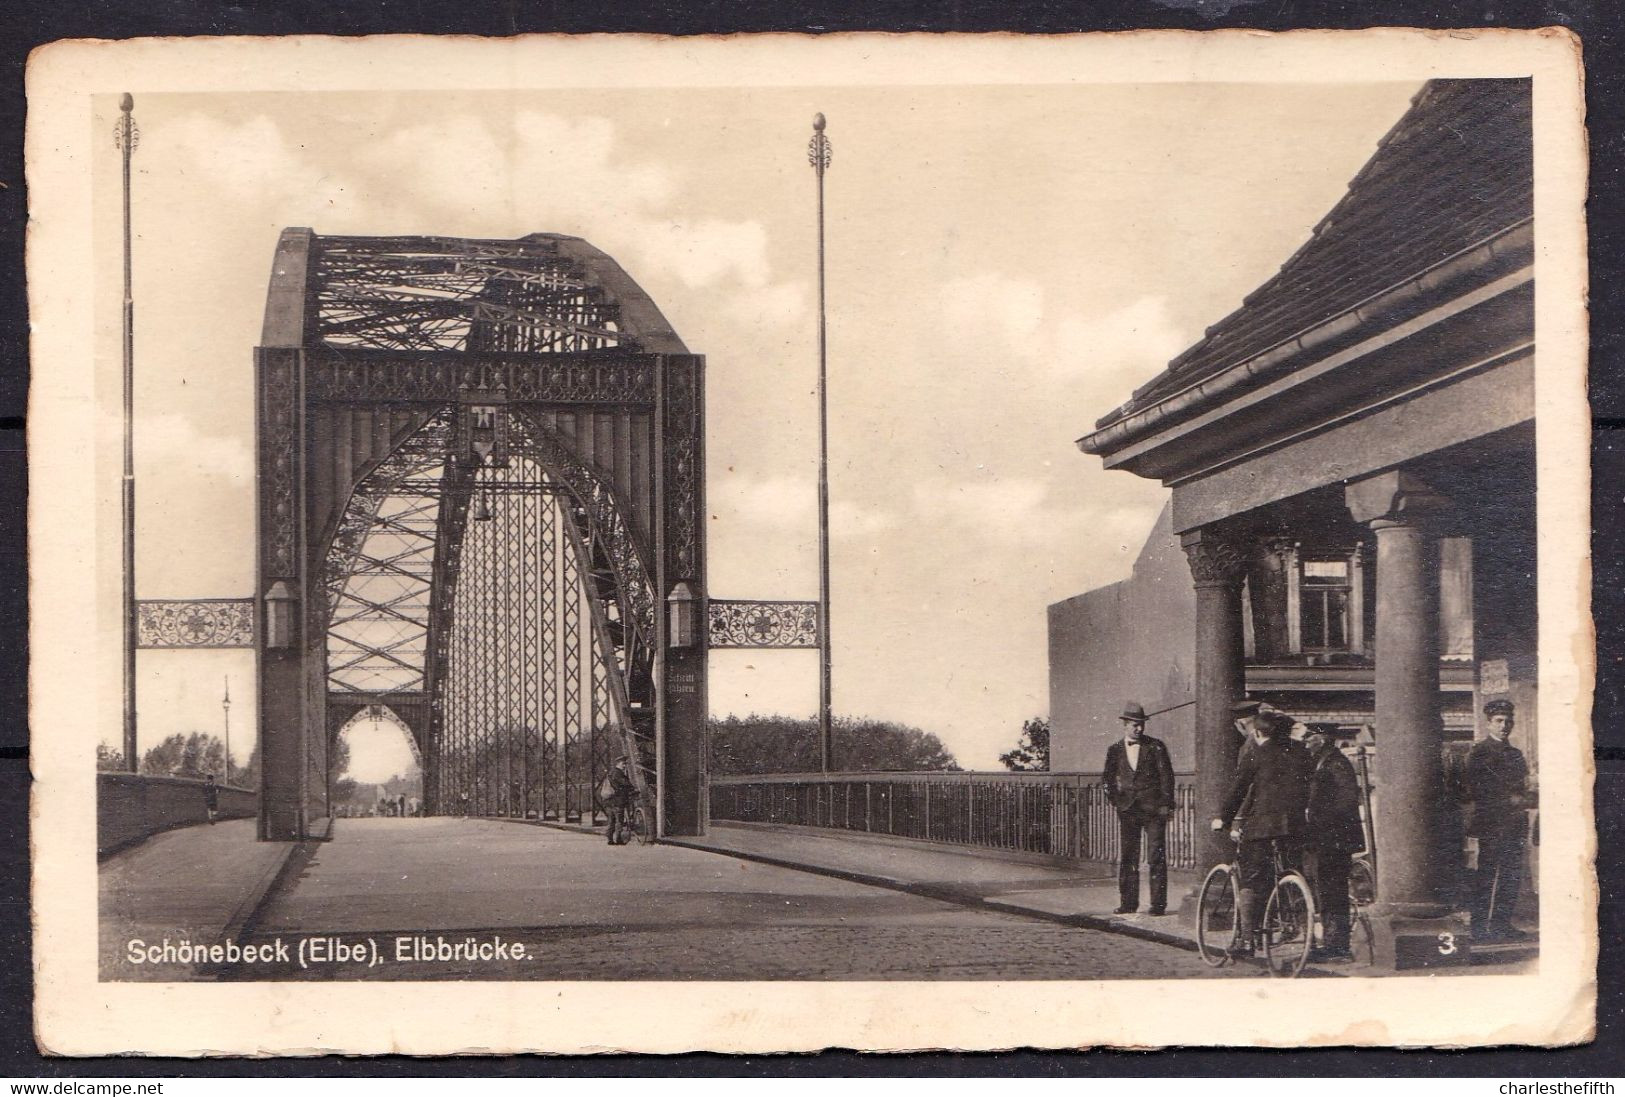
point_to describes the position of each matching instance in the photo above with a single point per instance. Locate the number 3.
(1447, 944)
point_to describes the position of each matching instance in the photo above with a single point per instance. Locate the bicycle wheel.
(642, 825)
(1289, 926)
(1362, 885)
(1216, 922)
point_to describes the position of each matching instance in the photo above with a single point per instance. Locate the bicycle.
(1362, 893)
(1288, 928)
(1218, 930)
(629, 820)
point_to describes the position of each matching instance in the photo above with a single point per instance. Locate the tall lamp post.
(225, 709)
(125, 136)
(818, 154)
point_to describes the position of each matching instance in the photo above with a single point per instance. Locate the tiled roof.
(1455, 170)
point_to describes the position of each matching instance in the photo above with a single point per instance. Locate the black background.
(25, 25)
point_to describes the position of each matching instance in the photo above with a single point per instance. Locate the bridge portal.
(481, 489)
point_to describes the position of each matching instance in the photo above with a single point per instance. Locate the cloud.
(1136, 340)
(996, 316)
(992, 308)
(172, 443)
(780, 305)
(790, 505)
(1013, 510)
(707, 251)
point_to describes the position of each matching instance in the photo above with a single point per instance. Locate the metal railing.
(1059, 814)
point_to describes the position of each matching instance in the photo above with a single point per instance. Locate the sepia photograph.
(935, 526)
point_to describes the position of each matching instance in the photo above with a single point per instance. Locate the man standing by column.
(1335, 833)
(1498, 786)
(1139, 779)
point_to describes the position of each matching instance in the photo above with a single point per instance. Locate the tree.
(1032, 750)
(109, 759)
(194, 756)
(779, 744)
(247, 774)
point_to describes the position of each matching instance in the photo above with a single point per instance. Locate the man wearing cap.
(1139, 779)
(1335, 835)
(1273, 781)
(1498, 786)
(1251, 720)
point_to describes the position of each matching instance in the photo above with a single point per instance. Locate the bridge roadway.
(578, 908)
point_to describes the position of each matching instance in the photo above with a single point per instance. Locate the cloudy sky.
(1005, 265)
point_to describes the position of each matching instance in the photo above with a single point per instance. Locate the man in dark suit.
(1273, 781)
(1335, 834)
(1139, 781)
(1498, 786)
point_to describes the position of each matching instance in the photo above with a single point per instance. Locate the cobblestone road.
(581, 910)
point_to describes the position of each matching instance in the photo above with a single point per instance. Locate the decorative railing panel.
(195, 623)
(1059, 814)
(749, 624)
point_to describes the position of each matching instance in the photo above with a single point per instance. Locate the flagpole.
(818, 154)
(125, 137)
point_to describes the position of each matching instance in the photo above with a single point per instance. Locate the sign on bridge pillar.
(681, 727)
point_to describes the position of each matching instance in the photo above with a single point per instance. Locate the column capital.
(1216, 558)
(1397, 498)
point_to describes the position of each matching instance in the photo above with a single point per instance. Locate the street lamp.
(125, 136)
(225, 706)
(279, 601)
(682, 616)
(818, 155)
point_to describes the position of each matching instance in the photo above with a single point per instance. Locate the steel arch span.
(480, 486)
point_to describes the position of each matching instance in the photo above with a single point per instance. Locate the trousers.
(1330, 869)
(1498, 880)
(1256, 860)
(1130, 824)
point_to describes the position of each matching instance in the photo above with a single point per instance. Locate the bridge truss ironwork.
(509, 593)
(481, 479)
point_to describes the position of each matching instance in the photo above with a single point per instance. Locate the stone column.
(1218, 563)
(1413, 874)
(1269, 599)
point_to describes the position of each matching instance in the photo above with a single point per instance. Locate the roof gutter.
(1514, 241)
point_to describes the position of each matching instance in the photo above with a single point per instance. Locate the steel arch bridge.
(480, 500)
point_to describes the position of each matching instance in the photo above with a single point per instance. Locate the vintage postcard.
(635, 544)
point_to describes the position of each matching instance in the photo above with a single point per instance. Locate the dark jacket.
(1497, 786)
(1146, 789)
(1334, 804)
(1276, 775)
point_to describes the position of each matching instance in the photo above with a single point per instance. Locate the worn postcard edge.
(75, 1014)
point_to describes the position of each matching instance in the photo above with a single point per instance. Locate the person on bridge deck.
(211, 798)
(1498, 788)
(1334, 835)
(1139, 779)
(618, 794)
(1273, 781)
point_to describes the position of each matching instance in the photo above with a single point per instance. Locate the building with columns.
(1351, 462)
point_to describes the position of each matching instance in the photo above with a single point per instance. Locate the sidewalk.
(1072, 892)
(1076, 893)
(197, 883)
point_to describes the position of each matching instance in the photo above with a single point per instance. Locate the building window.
(1323, 605)
(1325, 602)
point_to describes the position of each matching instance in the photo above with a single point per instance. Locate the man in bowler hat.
(1139, 781)
(1498, 786)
